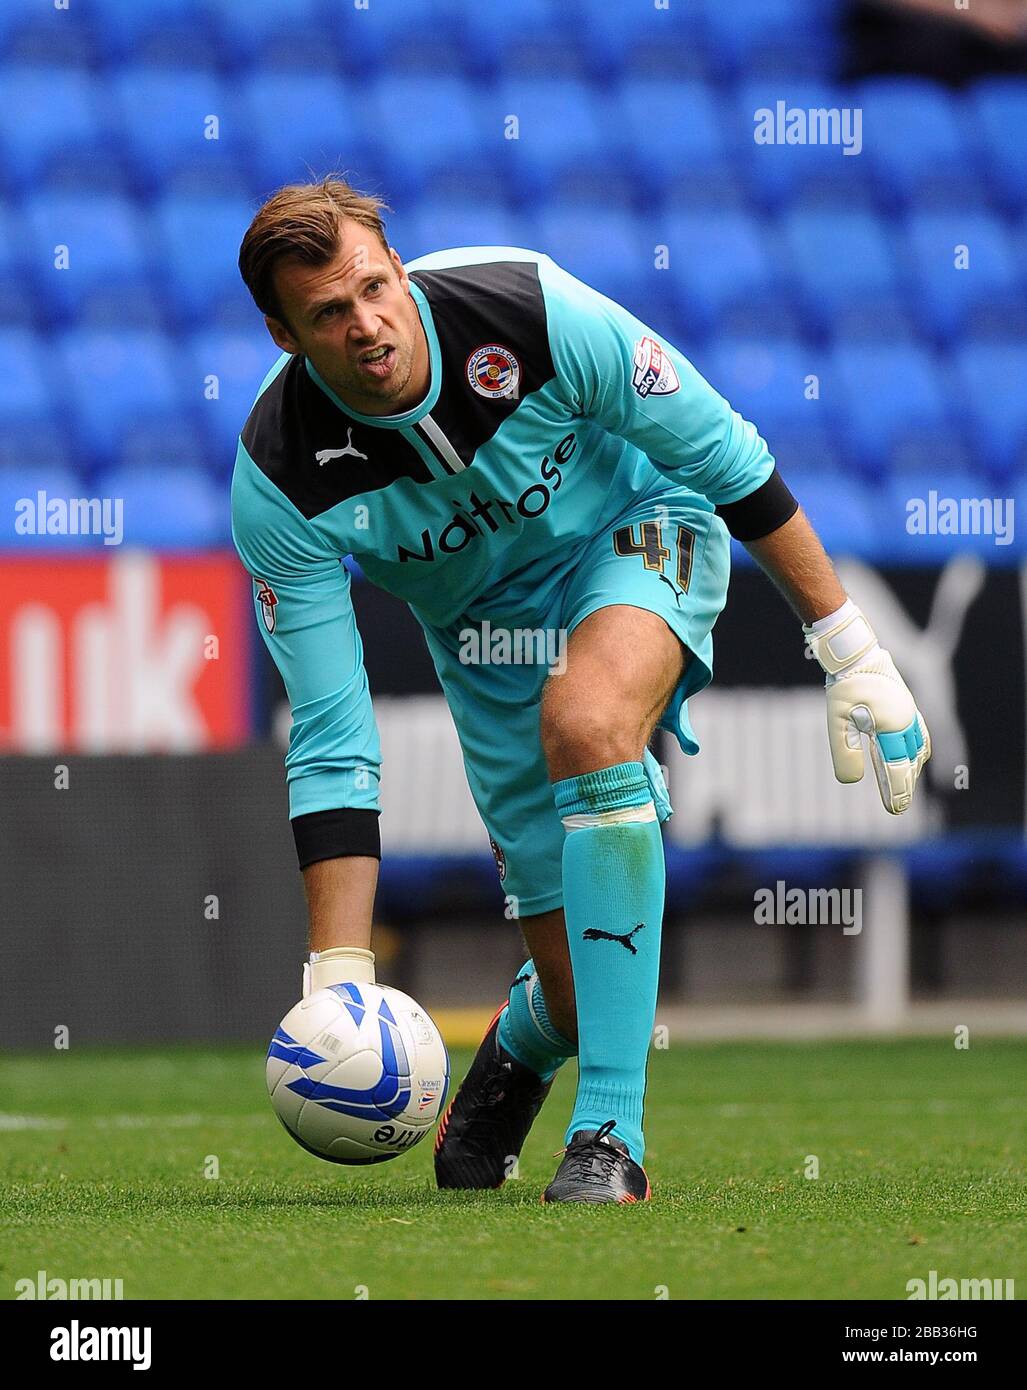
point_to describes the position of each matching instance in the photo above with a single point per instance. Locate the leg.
(546, 939)
(623, 665)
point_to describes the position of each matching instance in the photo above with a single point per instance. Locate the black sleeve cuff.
(753, 517)
(337, 834)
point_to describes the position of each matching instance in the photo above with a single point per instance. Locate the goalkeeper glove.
(866, 697)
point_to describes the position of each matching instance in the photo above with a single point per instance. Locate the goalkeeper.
(495, 442)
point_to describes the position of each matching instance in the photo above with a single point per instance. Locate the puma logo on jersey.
(324, 456)
(597, 934)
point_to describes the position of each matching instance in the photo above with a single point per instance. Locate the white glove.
(338, 966)
(866, 697)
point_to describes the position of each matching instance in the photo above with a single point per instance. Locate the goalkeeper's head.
(318, 264)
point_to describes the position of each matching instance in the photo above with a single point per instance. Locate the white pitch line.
(20, 1122)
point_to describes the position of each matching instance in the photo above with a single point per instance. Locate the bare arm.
(798, 564)
(340, 901)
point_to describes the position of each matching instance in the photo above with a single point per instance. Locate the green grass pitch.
(921, 1152)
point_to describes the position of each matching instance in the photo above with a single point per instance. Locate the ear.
(280, 333)
(394, 256)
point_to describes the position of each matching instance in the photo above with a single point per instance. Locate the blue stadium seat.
(124, 25)
(373, 38)
(489, 32)
(992, 378)
(562, 126)
(17, 306)
(303, 121)
(999, 106)
(615, 35)
(169, 508)
(116, 380)
(765, 380)
(26, 482)
(887, 392)
(912, 132)
(106, 243)
(438, 224)
(778, 172)
(609, 249)
(947, 296)
(448, 107)
(45, 112)
(244, 27)
(201, 284)
(668, 131)
(842, 508)
(177, 103)
(717, 261)
(240, 361)
(25, 394)
(742, 33)
(838, 260)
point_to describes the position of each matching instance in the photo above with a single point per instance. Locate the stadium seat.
(561, 125)
(611, 250)
(25, 395)
(992, 379)
(999, 107)
(124, 26)
(371, 39)
(46, 111)
(912, 133)
(742, 34)
(838, 260)
(764, 379)
(887, 392)
(200, 285)
(777, 172)
(449, 107)
(106, 248)
(17, 305)
(169, 508)
(717, 261)
(300, 122)
(438, 224)
(668, 131)
(115, 380)
(947, 296)
(240, 361)
(244, 28)
(178, 103)
(616, 36)
(843, 509)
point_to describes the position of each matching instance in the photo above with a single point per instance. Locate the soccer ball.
(357, 1073)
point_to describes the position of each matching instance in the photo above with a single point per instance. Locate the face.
(343, 314)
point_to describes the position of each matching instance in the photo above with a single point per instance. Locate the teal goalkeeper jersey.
(550, 409)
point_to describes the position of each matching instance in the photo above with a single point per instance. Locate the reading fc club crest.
(267, 599)
(493, 372)
(654, 373)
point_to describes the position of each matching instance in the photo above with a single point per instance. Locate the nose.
(365, 325)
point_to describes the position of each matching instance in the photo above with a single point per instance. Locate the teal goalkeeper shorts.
(664, 553)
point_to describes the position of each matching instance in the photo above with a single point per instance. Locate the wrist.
(841, 638)
(337, 966)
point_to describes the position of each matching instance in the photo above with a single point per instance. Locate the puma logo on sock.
(597, 934)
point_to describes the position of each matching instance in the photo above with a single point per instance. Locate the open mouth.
(378, 361)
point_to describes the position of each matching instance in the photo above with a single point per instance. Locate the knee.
(580, 735)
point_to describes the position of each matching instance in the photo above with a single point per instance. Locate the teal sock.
(525, 1029)
(613, 892)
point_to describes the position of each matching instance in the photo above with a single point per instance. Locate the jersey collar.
(417, 412)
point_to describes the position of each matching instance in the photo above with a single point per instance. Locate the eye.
(375, 285)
